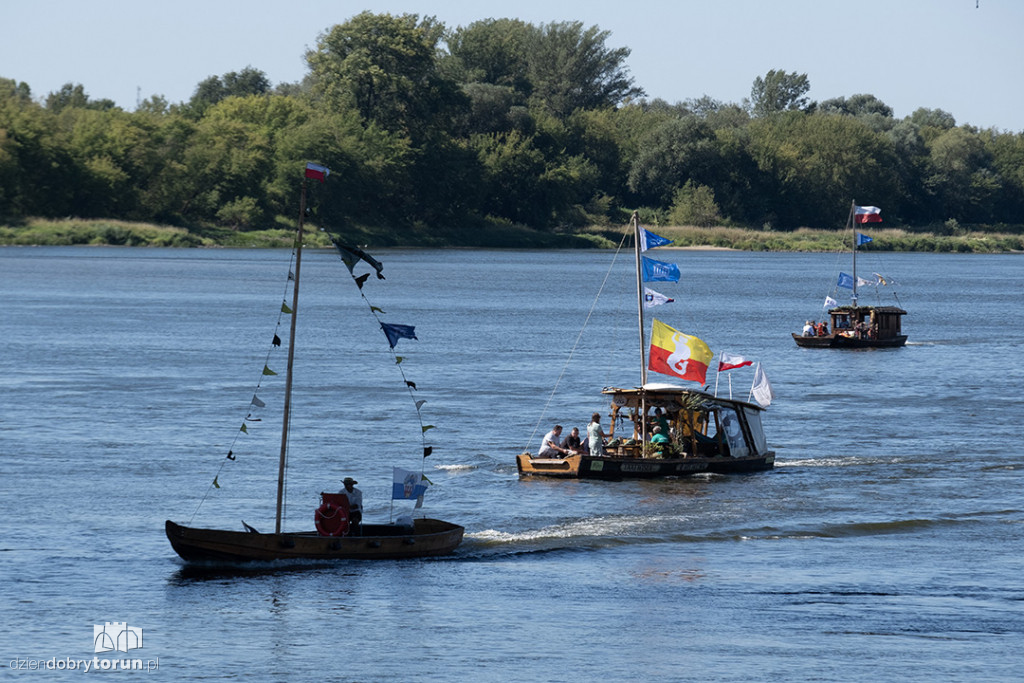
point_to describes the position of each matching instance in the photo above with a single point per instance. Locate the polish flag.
(317, 171)
(867, 214)
(729, 361)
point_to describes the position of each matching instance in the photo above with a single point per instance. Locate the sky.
(962, 56)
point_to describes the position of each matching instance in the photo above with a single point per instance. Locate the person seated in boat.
(551, 444)
(660, 441)
(822, 329)
(595, 435)
(808, 328)
(661, 421)
(355, 504)
(843, 323)
(572, 443)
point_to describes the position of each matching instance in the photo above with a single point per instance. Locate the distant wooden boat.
(859, 327)
(855, 326)
(335, 541)
(709, 433)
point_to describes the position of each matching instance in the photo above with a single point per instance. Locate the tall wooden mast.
(291, 361)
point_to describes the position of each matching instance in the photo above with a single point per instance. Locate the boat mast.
(291, 361)
(853, 236)
(640, 317)
(639, 296)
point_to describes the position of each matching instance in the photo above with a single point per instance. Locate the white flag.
(652, 298)
(861, 282)
(762, 389)
(829, 301)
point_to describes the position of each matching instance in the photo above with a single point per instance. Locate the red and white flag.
(730, 361)
(317, 171)
(867, 214)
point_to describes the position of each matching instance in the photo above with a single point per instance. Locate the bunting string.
(579, 337)
(351, 256)
(256, 403)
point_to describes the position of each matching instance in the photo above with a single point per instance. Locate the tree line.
(500, 122)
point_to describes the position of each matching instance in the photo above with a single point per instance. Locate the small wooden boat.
(713, 434)
(859, 327)
(336, 540)
(855, 326)
(708, 433)
(425, 538)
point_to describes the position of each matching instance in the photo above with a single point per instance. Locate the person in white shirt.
(355, 503)
(551, 444)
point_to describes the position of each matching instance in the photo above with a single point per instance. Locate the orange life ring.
(332, 516)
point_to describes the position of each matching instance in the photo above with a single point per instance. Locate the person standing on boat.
(595, 435)
(551, 444)
(355, 504)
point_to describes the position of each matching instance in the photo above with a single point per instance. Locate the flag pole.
(639, 296)
(852, 224)
(640, 316)
(291, 361)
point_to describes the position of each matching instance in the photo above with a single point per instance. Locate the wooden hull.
(618, 468)
(838, 341)
(427, 538)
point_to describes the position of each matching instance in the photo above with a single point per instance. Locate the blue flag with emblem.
(845, 280)
(659, 271)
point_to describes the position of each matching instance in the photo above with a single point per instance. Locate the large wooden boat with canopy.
(333, 536)
(708, 433)
(855, 326)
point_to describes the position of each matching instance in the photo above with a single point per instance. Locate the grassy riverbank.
(123, 233)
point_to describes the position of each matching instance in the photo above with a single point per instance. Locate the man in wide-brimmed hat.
(355, 504)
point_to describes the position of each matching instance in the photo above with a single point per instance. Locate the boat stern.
(566, 468)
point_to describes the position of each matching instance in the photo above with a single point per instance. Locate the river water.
(887, 544)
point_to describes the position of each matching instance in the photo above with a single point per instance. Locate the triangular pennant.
(276, 341)
(268, 371)
(215, 484)
(426, 427)
(362, 279)
(419, 403)
(231, 455)
(377, 310)
(396, 332)
(423, 477)
(399, 359)
(427, 450)
(411, 385)
(284, 308)
(291, 276)
(257, 402)
(244, 429)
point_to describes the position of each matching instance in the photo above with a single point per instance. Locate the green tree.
(817, 162)
(248, 81)
(679, 150)
(571, 68)
(491, 51)
(384, 67)
(778, 91)
(694, 205)
(73, 95)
